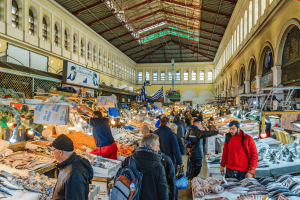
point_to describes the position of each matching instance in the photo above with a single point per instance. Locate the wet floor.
(186, 194)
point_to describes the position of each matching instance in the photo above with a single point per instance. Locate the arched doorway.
(291, 58)
(252, 67)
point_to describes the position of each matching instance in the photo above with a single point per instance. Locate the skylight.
(168, 32)
(152, 27)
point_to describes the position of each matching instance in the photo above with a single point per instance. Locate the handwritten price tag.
(288, 182)
(51, 114)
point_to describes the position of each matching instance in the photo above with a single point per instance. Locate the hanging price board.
(55, 114)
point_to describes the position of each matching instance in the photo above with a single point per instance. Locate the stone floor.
(186, 194)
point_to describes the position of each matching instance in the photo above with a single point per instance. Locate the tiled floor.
(186, 194)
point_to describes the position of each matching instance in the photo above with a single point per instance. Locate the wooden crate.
(67, 94)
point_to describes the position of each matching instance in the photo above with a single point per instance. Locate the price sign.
(288, 182)
(104, 101)
(282, 197)
(55, 114)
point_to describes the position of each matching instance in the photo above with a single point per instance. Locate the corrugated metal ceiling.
(119, 22)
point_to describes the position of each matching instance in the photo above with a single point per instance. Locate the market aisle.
(186, 194)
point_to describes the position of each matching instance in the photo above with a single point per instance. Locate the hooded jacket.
(194, 141)
(181, 130)
(74, 178)
(169, 144)
(154, 183)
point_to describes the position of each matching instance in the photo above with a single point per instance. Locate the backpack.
(128, 182)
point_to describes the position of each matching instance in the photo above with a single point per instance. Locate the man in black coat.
(149, 162)
(194, 141)
(175, 128)
(181, 127)
(168, 142)
(75, 172)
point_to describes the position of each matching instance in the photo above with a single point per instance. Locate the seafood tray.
(105, 166)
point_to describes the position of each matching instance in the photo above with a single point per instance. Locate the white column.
(25, 16)
(197, 74)
(181, 75)
(190, 74)
(247, 87)
(40, 31)
(8, 12)
(277, 74)
(62, 33)
(52, 29)
(71, 40)
(258, 77)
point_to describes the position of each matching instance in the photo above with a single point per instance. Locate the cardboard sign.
(78, 75)
(286, 120)
(288, 182)
(157, 104)
(55, 114)
(105, 101)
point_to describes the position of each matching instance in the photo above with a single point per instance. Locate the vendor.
(239, 154)
(106, 146)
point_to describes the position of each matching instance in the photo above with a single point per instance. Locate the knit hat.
(63, 143)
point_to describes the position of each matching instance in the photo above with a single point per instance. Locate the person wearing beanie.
(74, 172)
(106, 146)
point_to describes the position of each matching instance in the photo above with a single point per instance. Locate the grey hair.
(68, 152)
(148, 140)
(173, 126)
(145, 127)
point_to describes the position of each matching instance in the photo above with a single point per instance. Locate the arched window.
(209, 75)
(108, 62)
(263, 6)
(89, 51)
(162, 75)
(154, 75)
(56, 34)
(31, 22)
(245, 24)
(94, 54)
(104, 59)
(268, 62)
(15, 14)
(75, 43)
(186, 75)
(238, 36)
(229, 83)
(44, 27)
(202, 76)
(243, 76)
(67, 41)
(256, 7)
(234, 41)
(140, 76)
(250, 15)
(241, 30)
(194, 75)
(170, 75)
(178, 75)
(253, 76)
(99, 56)
(82, 48)
(147, 76)
(112, 85)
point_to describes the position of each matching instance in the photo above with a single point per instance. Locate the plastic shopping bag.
(182, 183)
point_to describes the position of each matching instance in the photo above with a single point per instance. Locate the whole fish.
(32, 190)
(277, 188)
(283, 178)
(271, 194)
(5, 191)
(9, 185)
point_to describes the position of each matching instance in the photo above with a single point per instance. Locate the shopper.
(145, 129)
(169, 142)
(211, 126)
(239, 154)
(188, 115)
(194, 141)
(149, 162)
(75, 172)
(175, 128)
(106, 146)
(181, 127)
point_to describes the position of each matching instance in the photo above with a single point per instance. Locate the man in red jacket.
(239, 154)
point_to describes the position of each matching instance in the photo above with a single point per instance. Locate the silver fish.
(5, 191)
(10, 186)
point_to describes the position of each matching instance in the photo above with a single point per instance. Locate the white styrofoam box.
(117, 165)
(33, 101)
(121, 158)
(31, 146)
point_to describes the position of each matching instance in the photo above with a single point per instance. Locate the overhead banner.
(51, 114)
(78, 75)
